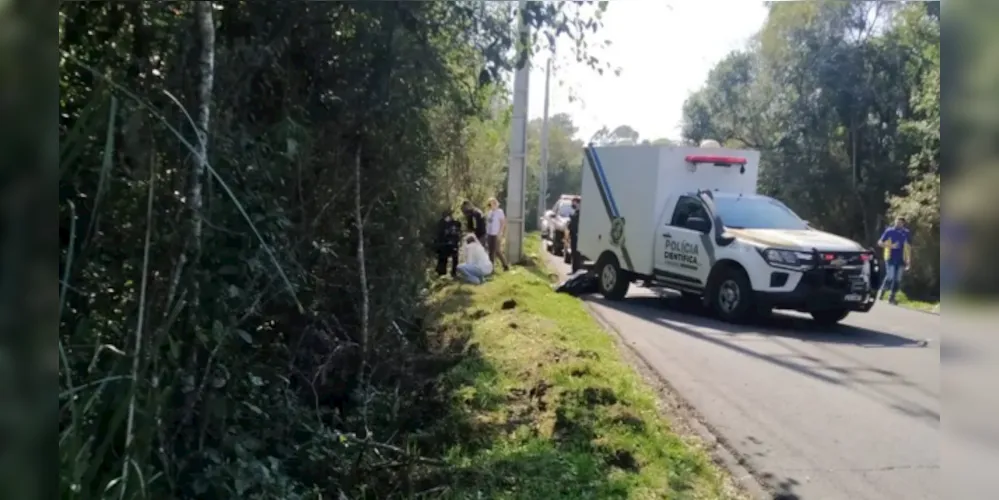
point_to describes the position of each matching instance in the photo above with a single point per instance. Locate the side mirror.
(549, 213)
(698, 224)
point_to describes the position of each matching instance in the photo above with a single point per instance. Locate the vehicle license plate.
(853, 297)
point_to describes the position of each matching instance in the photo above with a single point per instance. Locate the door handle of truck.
(667, 235)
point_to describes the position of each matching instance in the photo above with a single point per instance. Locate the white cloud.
(665, 51)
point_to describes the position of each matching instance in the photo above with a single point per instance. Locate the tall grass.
(114, 390)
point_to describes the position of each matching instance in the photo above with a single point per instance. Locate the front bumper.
(826, 288)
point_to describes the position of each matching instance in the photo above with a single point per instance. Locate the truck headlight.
(780, 257)
(786, 258)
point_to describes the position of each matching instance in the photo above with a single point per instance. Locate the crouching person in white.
(477, 264)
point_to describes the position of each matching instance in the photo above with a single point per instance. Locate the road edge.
(671, 404)
(934, 312)
(683, 413)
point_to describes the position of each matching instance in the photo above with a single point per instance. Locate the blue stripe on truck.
(603, 180)
(600, 181)
(603, 187)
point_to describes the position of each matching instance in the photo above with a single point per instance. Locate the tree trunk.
(204, 31)
(361, 262)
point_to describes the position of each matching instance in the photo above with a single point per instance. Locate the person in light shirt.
(477, 263)
(495, 230)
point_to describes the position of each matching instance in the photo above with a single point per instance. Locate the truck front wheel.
(613, 283)
(730, 295)
(557, 243)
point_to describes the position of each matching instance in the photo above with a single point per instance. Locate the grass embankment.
(904, 300)
(553, 410)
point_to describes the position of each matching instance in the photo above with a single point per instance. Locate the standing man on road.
(495, 230)
(476, 221)
(574, 258)
(898, 257)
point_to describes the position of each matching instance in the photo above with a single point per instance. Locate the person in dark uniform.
(574, 258)
(475, 219)
(447, 242)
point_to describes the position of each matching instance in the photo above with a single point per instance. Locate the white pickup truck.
(689, 220)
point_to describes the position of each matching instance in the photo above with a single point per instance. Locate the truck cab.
(703, 231)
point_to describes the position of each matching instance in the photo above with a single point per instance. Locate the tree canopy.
(843, 99)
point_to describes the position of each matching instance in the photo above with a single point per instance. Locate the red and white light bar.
(831, 256)
(717, 160)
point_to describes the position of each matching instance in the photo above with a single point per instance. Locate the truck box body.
(625, 188)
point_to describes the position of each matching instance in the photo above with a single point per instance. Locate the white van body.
(638, 201)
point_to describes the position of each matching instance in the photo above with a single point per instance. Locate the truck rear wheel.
(829, 317)
(612, 281)
(730, 295)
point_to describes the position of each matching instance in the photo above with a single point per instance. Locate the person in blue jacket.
(898, 257)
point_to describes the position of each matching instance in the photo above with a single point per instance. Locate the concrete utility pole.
(518, 151)
(542, 199)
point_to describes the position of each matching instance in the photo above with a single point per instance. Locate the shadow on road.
(791, 332)
(778, 324)
(870, 381)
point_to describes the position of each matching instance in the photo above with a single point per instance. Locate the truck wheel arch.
(607, 255)
(722, 263)
(717, 269)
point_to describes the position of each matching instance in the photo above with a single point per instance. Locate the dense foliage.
(244, 194)
(843, 99)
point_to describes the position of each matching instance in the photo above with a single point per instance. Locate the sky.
(665, 50)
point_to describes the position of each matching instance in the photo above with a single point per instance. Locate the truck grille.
(849, 258)
(842, 271)
(847, 280)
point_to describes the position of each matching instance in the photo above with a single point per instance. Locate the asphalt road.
(850, 412)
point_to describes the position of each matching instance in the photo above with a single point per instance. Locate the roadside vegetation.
(553, 410)
(905, 301)
(247, 191)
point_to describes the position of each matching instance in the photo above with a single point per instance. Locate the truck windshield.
(565, 210)
(757, 213)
